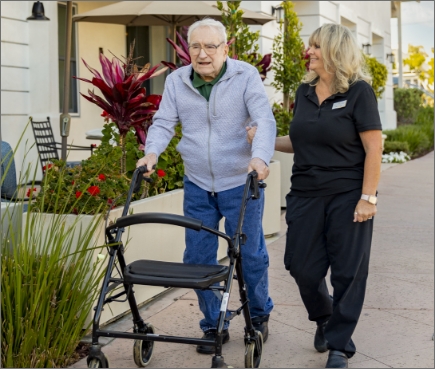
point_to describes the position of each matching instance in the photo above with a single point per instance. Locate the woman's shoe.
(320, 342)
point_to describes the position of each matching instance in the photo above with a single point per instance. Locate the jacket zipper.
(209, 153)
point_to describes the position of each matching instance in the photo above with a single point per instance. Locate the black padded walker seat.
(166, 274)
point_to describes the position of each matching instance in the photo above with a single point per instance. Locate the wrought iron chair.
(47, 146)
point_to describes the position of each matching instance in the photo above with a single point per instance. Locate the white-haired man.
(214, 98)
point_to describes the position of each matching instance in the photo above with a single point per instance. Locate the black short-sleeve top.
(329, 154)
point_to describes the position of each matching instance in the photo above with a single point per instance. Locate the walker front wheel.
(98, 363)
(143, 350)
(253, 351)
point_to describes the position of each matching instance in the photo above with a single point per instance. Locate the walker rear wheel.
(253, 351)
(143, 350)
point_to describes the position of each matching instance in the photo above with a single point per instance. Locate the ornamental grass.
(50, 279)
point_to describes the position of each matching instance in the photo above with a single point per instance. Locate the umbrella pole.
(174, 38)
(65, 118)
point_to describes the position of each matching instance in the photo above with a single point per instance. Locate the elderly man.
(214, 98)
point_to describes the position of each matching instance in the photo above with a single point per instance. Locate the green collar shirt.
(204, 87)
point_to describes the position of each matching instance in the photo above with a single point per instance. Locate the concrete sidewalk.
(397, 322)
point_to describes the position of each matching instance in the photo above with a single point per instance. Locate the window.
(73, 93)
(140, 36)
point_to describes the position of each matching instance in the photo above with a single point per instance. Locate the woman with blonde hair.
(335, 135)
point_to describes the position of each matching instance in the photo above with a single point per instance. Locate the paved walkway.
(397, 322)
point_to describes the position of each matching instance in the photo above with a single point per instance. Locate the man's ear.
(226, 49)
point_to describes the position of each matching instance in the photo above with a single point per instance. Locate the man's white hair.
(210, 23)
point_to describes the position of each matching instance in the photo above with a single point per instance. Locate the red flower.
(104, 114)
(29, 192)
(78, 194)
(94, 190)
(161, 173)
(101, 177)
(73, 182)
(45, 167)
(110, 201)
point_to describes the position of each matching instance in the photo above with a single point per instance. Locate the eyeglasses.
(209, 49)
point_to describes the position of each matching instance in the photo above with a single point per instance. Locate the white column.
(400, 51)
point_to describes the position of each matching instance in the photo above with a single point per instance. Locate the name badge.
(339, 105)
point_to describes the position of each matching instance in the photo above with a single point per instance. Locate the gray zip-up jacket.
(214, 149)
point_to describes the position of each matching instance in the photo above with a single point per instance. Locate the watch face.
(373, 200)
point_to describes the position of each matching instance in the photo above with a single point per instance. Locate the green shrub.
(379, 73)
(97, 184)
(283, 119)
(396, 146)
(407, 103)
(416, 138)
(425, 122)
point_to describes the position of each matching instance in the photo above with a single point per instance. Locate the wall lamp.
(38, 12)
(278, 11)
(390, 58)
(366, 48)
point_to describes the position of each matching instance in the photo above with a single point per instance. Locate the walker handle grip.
(139, 177)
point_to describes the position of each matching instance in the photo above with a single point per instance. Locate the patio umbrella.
(161, 13)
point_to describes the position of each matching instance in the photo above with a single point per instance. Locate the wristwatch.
(372, 199)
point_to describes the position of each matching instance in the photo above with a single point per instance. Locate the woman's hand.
(251, 134)
(364, 211)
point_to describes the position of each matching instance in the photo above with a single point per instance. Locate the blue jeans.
(202, 246)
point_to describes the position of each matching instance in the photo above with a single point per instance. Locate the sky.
(417, 26)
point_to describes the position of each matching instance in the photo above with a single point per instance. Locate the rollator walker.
(217, 278)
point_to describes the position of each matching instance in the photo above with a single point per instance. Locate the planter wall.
(272, 203)
(11, 219)
(286, 161)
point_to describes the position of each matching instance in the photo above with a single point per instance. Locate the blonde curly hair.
(341, 57)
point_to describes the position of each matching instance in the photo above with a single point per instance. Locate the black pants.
(321, 234)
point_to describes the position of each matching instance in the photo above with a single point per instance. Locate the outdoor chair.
(47, 146)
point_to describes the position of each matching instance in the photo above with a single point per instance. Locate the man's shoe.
(211, 335)
(262, 327)
(337, 359)
(320, 342)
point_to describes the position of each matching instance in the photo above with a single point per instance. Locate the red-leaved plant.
(125, 101)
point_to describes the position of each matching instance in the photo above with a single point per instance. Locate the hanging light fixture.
(279, 13)
(38, 12)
